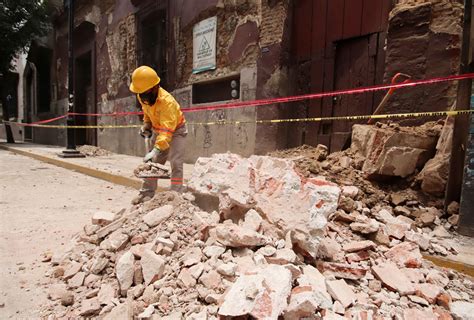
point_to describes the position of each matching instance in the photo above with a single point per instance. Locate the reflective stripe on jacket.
(165, 116)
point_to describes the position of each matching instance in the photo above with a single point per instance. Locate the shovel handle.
(395, 80)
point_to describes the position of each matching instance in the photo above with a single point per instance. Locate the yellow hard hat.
(143, 79)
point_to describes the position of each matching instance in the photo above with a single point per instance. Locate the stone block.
(103, 218)
(153, 266)
(340, 291)
(262, 295)
(393, 278)
(390, 152)
(269, 184)
(158, 215)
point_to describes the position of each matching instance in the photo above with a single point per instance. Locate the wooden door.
(355, 65)
(336, 44)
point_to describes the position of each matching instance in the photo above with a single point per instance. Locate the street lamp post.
(71, 151)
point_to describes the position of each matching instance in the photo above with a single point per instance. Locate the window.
(217, 90)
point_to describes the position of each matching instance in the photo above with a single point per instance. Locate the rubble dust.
(93, 151)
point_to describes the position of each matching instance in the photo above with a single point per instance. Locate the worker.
(162, 114)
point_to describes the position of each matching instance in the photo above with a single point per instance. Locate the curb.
(451, 264)
(116, 179)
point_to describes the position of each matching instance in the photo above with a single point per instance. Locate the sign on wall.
(204, 45)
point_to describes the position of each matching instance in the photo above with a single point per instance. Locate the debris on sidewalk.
(305, 235)
(93, 151)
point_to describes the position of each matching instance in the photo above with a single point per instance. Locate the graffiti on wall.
(207, 141)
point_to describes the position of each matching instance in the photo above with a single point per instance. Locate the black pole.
(71, 143)
(461, 122)
(70, 151)
(6, 117)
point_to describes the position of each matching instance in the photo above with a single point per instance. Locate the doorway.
(84, 101)
(354, 68)
(152, 41)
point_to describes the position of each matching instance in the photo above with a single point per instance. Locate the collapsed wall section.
(424, 41)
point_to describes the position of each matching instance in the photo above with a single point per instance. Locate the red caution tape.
(263, 102)
(49, 120)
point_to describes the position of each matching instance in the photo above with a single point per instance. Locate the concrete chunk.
(390, 152)
(268, 184)
(153, 266)
(124, 270)
(354, 246)
(103, 218)
(122, 311)
(416, 314)
(262, 295)
(342, 270)
(158, 215)
(340, 291)
(232, 235)
(393, 278)
(89, 307)
(462, 310)
(405, 254)
(304, 302)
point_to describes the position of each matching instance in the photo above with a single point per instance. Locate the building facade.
(263, 49)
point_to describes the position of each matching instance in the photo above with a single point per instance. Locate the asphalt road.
(41, 208)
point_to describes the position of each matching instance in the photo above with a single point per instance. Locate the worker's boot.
(142, 197)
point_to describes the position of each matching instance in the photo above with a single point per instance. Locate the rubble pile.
(93, 151)
(307, 237)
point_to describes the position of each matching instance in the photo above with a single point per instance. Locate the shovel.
(389, 93)
(382, 103)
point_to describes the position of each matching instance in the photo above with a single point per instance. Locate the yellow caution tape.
(225, 122)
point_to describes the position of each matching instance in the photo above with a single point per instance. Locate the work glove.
(150, 155)
(145, 133)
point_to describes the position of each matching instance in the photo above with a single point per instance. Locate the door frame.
(87, 44)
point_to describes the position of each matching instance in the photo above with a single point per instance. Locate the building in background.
(215, 51)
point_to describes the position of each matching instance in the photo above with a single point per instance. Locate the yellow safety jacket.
(165, 117)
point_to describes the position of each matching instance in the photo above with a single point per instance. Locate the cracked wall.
(249, 38)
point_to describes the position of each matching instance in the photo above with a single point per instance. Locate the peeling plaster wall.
(249, 42)
(273, 74)
(231, 17)
(115, 54)
(121, 50)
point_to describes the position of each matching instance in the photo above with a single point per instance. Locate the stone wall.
(424, 41)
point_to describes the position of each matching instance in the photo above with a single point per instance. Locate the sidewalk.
(115, 168)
